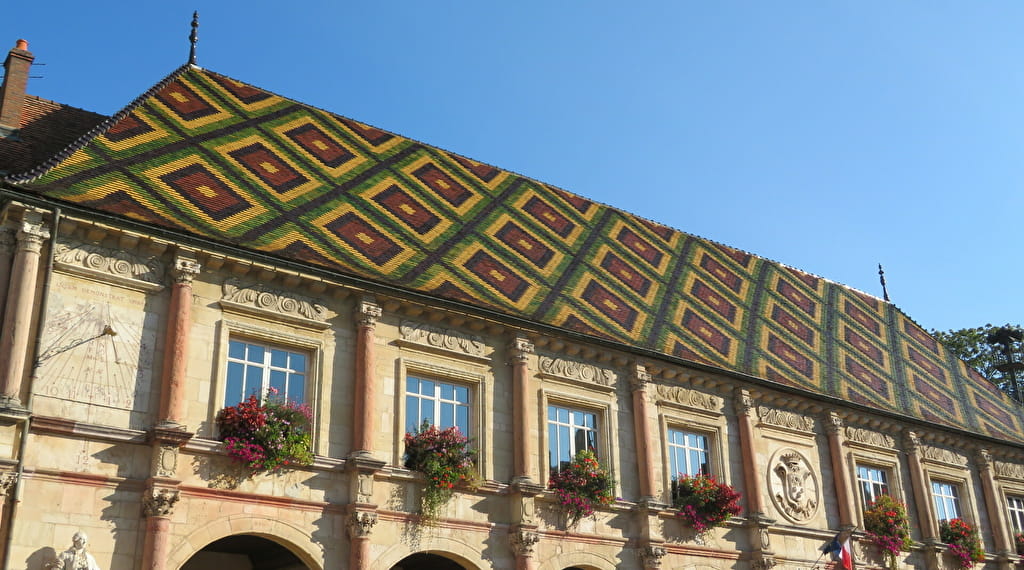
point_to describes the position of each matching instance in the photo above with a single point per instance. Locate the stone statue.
(76, 557)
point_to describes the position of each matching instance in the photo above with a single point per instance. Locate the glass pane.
(278, 358)
(234, 391)
(462, 419)
(412, 413)
(298, 362)
(427, 388)
(592, 441)
(297, 388)
(552, 445)
(236, 349)
(427, 411)
(412, 385)
(563, 415)
(462, 394)
(447, 416)
(253, 381)
(255, 353)
(447, 392)
(590, 420)
(278, 381)
(551, 413)
(577, 418)
(564, 444)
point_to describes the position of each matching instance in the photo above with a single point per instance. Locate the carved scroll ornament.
(81, 257)
(691, 398)
(870, 437)
(265, 300)
(784, 419)
(574, 370)
(445, 339)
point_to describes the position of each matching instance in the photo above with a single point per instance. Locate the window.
(1016, 507)
(687, 453)
(873, 482)
(258, 369)
(438, 403)
(947, 500)
(569, 431)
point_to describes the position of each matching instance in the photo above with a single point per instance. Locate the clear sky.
(829, 136)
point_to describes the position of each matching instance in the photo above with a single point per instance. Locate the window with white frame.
(1015, 505)
(873, 483)
(569, 432)
(260, 369)
(438, 403)
(688, 453)
(947, 500)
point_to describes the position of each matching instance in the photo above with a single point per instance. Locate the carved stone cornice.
(439, 338)
(522, 540)
(106, 264)
(360, 524)
(651, 555)
(160, 502)
(269, 303)
(185, 270)
(870, 438)
(520, 349)
(785, 419)
(368, 312)
(690, 398)
(570, 369)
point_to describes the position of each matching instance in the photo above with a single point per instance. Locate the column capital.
(743, 402)
(368, 312)
(520, 348)
(639, 378)
(523, 540)
(31, 234)
(912, 442)
(7, 481)
(185, 270)
(983, 458)
(833, 423)
(360, 524)
(160, 502)
(651, 555)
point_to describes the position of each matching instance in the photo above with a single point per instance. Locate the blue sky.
(829, 136)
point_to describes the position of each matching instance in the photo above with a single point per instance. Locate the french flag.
(840, 551)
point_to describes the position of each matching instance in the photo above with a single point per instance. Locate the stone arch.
(456, 550)
(289, 536)
(580, 559)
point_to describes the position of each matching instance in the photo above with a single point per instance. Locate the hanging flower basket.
(963, 541)
(581, 486)
(703, 502)
(267, 437)
(888, 527)
(1018, 541)
(446, 458)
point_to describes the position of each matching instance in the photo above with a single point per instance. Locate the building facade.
(213, 241)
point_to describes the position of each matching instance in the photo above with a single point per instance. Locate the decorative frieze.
(576, 370)
(1009, 470)
(448, 340)
(100, 263)
(943, 455)
(870, 437)
(262, 301)
(160, 502)
(794, 486)
(785, 419)
(689, 398)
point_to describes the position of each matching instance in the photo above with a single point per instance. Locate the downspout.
(27, 424)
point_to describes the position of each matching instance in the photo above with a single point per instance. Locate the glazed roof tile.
(205, 154)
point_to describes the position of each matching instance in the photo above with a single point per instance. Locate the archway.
(425, 561)
(244, 552)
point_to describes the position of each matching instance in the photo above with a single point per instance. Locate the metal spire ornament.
(193, 38)
(881, 277)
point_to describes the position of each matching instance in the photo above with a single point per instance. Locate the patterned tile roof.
(208, 155)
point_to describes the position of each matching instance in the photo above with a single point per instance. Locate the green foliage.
(268, 436)
(971, 345)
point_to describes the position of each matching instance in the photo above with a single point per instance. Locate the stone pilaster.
(362, 510)
(1001, 533)
(366, 315)
(641, 428)
(523, 535)
(360, 526)
(179, 322)
(762, 555)
(21, 300)
(158, 506)
(7, 245)
(921, 488)
(520, 350)
(840, 472)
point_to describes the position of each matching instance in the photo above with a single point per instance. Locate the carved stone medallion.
(793, 485)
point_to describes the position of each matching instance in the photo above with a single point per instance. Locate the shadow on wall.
(40, 558)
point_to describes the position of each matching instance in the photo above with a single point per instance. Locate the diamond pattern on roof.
(214, 157)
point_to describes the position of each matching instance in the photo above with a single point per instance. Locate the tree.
(975, 346)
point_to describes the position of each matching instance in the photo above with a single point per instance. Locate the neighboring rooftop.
(204, 154)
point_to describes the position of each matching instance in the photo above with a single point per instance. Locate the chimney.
(12, 93)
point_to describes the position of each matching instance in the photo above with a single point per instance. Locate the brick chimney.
(12, 93)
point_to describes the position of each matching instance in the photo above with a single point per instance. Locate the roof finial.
(881, 277)
(193, 38)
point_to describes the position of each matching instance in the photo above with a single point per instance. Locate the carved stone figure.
(76, 557)
(795, 489)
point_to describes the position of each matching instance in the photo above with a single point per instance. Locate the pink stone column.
(179, 322)
(642, 431)
(922, 489)
(761, 555)
(21, 299)
(995, 507)
(840, 471)
(519, 351)
(158, 507)
(7, 243)
(523, 541)
(360, 525)
(365, 397)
